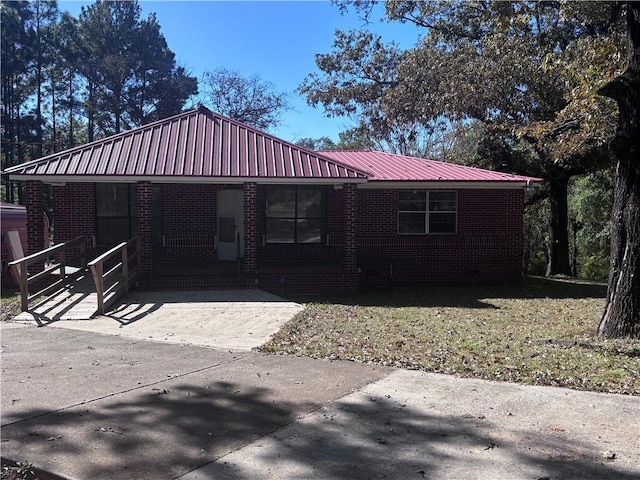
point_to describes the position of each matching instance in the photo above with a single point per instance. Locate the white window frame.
(427, 213)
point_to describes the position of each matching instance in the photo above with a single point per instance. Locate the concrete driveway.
(230, 319)
(96, 406)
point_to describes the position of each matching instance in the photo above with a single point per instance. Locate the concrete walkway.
(97, 406)
(230, 319)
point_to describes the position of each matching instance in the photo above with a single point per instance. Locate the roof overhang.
(64, 179)
(451, 184)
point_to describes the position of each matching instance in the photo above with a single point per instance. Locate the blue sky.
(275, 40)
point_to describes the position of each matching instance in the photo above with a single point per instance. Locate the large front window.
(421, 212)
(296, 214)
(116, 212)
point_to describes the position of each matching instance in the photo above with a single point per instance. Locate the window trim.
(427, 213)
(296, 218)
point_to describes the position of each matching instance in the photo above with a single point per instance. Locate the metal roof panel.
(383, 166)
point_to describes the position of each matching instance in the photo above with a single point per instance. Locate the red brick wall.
(34, 202)
(487, 245)
(74, 211)
(306, 280)
(250, 205)
(145, 214)
(189, 209)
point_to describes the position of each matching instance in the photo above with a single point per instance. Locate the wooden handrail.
(20, 269)
(33, 258)
(127, 275)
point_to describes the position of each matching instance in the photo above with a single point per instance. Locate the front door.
(230, 224)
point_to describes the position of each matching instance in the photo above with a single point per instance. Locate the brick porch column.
(250, 228)
(350, 211)
(145, 223)
(34, 202)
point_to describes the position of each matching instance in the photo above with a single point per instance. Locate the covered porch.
(215, 236)
(237, 242)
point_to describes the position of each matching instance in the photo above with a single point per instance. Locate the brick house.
(216, 203)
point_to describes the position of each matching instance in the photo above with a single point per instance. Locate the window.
(116, 212)
(296, 214)
(427, 212)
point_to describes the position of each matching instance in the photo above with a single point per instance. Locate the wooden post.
(125, 268)
(83, 253)
(96, 270)
(21, 276)
(63, 261)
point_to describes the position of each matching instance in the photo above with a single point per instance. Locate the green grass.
(9, 305)
(540, 332)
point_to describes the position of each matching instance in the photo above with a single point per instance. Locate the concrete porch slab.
(229, 319)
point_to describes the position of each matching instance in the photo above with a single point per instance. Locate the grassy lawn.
(9, 305)
(540, 332)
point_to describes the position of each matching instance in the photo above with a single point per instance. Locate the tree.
(130, 73)
(249, 100)
(16, 86)
(40, 28)
(355, 78)
(590, 205)
(350, 139)
(498, 63)
(322, 143)
(621, 315)
(66, 87)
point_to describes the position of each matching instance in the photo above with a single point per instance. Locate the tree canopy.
(66, 80)
(250, 100)
(517, 68)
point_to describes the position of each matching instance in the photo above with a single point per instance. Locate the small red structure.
(13, 218)
(216, 203)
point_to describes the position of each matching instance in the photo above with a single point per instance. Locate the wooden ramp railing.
(120, 273)
(20, 269)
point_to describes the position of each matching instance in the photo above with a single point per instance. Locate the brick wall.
(250, 228)
(34, 203)
(189, 209)
(74, 212)
(487, 245)
(145, 214)
(307, 280)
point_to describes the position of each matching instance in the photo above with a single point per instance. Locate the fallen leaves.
(540, 333)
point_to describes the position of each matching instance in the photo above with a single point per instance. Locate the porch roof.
(195, 147)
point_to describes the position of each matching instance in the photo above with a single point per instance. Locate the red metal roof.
(194, 145)
(201, 146)
(391, 167)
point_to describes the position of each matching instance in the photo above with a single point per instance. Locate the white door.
(230, 224)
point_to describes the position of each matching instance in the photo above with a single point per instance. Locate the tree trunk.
(90, 111)
(72, 142)
(558, 246)
(621, 317)
(39, 120)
